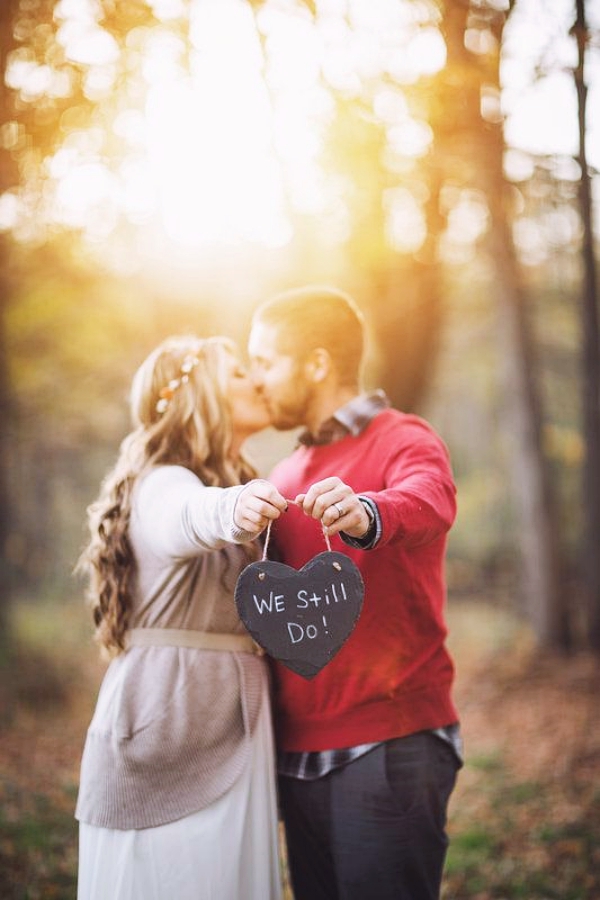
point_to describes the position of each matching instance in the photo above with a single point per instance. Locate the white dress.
(227, 851)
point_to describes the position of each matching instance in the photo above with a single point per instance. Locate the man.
(368, 750)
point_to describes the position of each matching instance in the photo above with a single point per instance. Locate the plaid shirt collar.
(352, 418)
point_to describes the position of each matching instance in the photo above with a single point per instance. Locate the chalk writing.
(263, 605)
(298, 632)
(316, 599)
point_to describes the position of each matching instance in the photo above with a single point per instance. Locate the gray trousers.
(374, 829)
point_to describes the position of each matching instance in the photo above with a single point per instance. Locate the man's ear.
(318, 365)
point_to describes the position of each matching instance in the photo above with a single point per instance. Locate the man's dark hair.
(314, 317)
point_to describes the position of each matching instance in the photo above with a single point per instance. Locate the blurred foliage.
(399, 225)
(76, 335)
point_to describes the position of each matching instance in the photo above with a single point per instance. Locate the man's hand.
(258, 504)
(336, 506)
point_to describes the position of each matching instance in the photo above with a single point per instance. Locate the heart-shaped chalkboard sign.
(301, 617)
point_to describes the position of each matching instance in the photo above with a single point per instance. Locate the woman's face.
(249, 412)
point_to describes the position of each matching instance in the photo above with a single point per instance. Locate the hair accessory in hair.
(166, 394)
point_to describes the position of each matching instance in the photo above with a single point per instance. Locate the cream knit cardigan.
(170, 733)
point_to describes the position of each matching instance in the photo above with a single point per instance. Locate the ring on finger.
(339, 509)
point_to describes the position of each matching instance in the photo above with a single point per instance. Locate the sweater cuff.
(371, 538)
(238, 535)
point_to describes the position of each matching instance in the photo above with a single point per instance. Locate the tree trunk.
(535, 501)
(5, 431)
(478, 147)
(591, 356)
(7, 178)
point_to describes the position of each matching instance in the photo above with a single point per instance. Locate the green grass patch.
(38, 849)
(489, 762)
(470, 850)
(523, 792)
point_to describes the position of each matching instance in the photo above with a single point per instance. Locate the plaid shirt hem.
(308, 766)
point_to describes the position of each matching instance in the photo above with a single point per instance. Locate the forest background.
(165, 166)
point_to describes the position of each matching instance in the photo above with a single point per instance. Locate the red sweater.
(394, 675)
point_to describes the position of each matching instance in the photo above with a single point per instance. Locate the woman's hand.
(258, 504)
(336, 506)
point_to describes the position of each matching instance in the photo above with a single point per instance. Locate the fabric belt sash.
(200, 640)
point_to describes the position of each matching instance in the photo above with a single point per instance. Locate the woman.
(177, 796)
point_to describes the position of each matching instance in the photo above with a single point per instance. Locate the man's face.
(280, 378)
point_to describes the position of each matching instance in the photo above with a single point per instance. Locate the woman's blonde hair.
(181, 416)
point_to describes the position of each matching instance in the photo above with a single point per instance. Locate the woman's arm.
(178, 516)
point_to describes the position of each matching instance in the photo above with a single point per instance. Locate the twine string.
(268, 538)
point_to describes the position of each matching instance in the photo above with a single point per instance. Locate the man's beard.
(291, 414)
